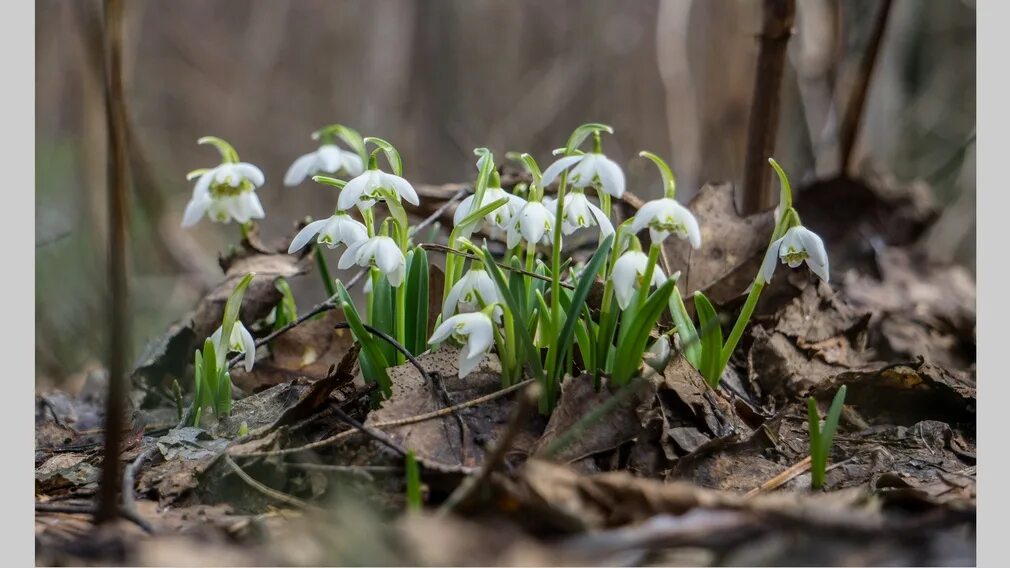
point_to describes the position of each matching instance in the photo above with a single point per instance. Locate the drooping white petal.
(646, 213)
(818, 256)
(606, 227)
(352, 163)
(401, 186)
(452, 299)
(195, 209)
(555, 169)
(202, 186)
(248, 345)
(387, 255)
(442, 332)
(625, 275)
(480, 335)
(350, 256)
(464, 209)
(534, 221)
(300, 169)
(355, 189)
(252, 204)
(306, 234)
(250, 172)
(770, 261)
(329, 158)
(611, 176)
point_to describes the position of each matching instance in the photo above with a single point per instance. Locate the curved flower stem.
(741, 323)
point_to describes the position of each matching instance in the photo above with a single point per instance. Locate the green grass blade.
(417, 292)
(578, 299)
(817, 462)
(413, 483)
(532, 353)
(383, 316)
(711, 339)
(373, 363)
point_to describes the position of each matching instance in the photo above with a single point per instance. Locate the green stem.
(553, 365)
(401, 296)
(741, 323)
(324, 273)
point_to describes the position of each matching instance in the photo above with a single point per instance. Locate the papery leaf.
(395, 162)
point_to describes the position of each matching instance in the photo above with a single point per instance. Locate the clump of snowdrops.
(528, 306)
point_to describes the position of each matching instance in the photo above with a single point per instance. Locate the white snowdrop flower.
(463, 296)
(500, 217)
(798, 245)
(363, 190)
(665, 216)
(587, 168)
(341, 228)
(532, 223)
(579, 213)
(657, 356)
(628, 270)
(224, 193)
(241, 341)
(328, 158)
(382, 251)
(475, 331)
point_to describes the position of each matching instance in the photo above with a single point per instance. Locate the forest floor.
(675, 474)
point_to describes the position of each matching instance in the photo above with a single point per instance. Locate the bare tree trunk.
(118, 321)
(764, 114)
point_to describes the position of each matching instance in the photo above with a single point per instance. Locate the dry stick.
(330, 303)
(92, 510)
(765, 101)
(129, 477)
(119, 332)
(269, 492)
(787, 475)
(449, 250)
(857, 100)
(392, 423)
(527, 402)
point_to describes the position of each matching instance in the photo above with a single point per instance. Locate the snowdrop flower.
(338, 229)
(363, 190)
(224, 193)
(241, 341)
(328, 158)
(665, 216)
(579, 213)
(499, 218)
(380, 250)
(475, 331)
(799, 244)
(463, 296)
(532, 223)
(628, 270)
(585, 169)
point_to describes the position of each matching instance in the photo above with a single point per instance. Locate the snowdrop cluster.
(528, 306)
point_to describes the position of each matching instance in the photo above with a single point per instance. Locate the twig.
(269, 492)
(782, 478)
(92, 510)
(119, 330)
(764, 110)
(391, 423)
(849, 128)
(129, 477)
(449, 250)
(331, 302)
(471, 484)
(789, 474)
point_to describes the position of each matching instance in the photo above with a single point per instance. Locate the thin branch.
(527, 402)
(391, 423)
(119, 324)
(269, 492)
(765, 101)
(857, 100)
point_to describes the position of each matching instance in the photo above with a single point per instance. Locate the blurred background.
(438, 78)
